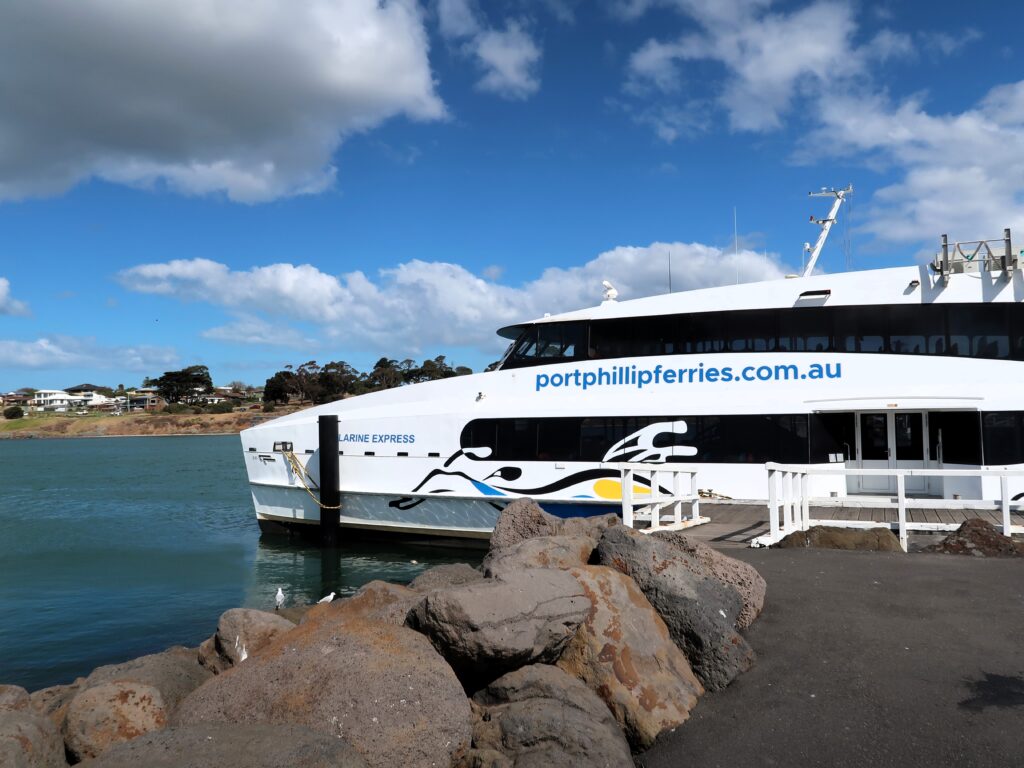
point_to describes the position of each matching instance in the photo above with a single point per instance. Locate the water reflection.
(306, 572)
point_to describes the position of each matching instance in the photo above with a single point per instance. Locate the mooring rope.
(301, 474)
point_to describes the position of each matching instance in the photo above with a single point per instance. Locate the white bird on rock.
(327, 599)
(279, 599)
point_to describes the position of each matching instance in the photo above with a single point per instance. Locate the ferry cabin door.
(892, 440)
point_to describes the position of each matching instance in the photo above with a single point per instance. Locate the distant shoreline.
(138, 424)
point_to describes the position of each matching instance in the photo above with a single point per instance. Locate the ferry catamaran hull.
(899, 368)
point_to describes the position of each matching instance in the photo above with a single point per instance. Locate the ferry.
(901, 368)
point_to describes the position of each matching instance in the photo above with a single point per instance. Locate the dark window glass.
(874, 437)
(805, 330)
(917, 329)
(516, 437)
(830, 434)
(558, 439)
(979, 331)
(1002, 430)
(959, 433)
(909, 436)
(549, 343)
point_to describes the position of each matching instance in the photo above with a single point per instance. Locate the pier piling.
(330, 483)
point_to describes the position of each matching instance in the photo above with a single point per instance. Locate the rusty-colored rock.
(108, 714)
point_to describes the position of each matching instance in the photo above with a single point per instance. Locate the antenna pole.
(825, 224)
(736, 244)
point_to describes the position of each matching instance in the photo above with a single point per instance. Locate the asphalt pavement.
(870, 659)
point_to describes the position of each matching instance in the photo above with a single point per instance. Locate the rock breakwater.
(578, 642)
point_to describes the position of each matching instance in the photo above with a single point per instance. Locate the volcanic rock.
(53, 702)
(623, 652)
(978, 538)
(375, 601)
(492, 627)
(524, 519)
(832, 537)
(107, 714)
(175, 673)
(540, 715)
(543, 552)
(381, 687)
(29, 740)
(231, 746)
(14, 697)
(700, 611)
(240, 631)
(444, 576)
(742, 577)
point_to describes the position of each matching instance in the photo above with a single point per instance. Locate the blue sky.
(245, 186)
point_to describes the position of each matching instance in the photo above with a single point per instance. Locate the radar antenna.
(825, 224)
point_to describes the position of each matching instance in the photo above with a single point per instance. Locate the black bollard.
(330, 485)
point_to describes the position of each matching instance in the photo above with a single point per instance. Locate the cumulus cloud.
(8, 304)
(204, 96)
(508, 58)
(249, 329)
(767, 56)
(76, 352)
(962, 173)
(420, 305)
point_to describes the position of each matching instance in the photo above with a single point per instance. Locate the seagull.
(327, 599)
(279, 599)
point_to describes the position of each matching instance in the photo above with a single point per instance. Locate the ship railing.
(789, 502)
(654, 495)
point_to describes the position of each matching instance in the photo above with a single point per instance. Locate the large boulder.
(492, 627)
(524, 519)
(700, 611)
(375, 601)
(978, 538)
(29, 740)
(14, 697)
(381, 687)
(240, 633)
(53, 702)
(743, 577)
(834, 537)
(623, 652)
(175, 673)
(540, 715)
(444, 576)
(107, 714)
(231, 746)
(543, 552)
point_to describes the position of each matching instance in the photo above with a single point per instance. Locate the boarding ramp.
(789, 502)
(653, 496)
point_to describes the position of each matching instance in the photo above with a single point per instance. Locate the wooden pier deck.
(736, 525)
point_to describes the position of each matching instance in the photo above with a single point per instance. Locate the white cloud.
(249, 99)
(768, 57)
(8, 304)
(418, 306)
(962, 173)
(509, 58)
(76, 352)
(248, 329)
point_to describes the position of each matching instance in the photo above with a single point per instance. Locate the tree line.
(335, 380)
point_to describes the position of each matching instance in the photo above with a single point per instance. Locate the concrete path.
(870, 659)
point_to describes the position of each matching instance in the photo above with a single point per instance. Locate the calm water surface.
(111, 548)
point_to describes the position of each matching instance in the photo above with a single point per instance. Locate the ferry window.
(872, 330)
(831, 434)
(558, 440)
(1002, 430)
(917, 330)
(479, 434)
(634, 336)
(549, 343)
(960, 436)
(805, 330)
(978, 331)
(516, 438)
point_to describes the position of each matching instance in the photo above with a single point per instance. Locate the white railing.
(789, 503)
(656, 493)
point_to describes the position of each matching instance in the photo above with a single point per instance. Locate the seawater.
(111, 548)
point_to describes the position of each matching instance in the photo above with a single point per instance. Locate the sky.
(246, 184)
